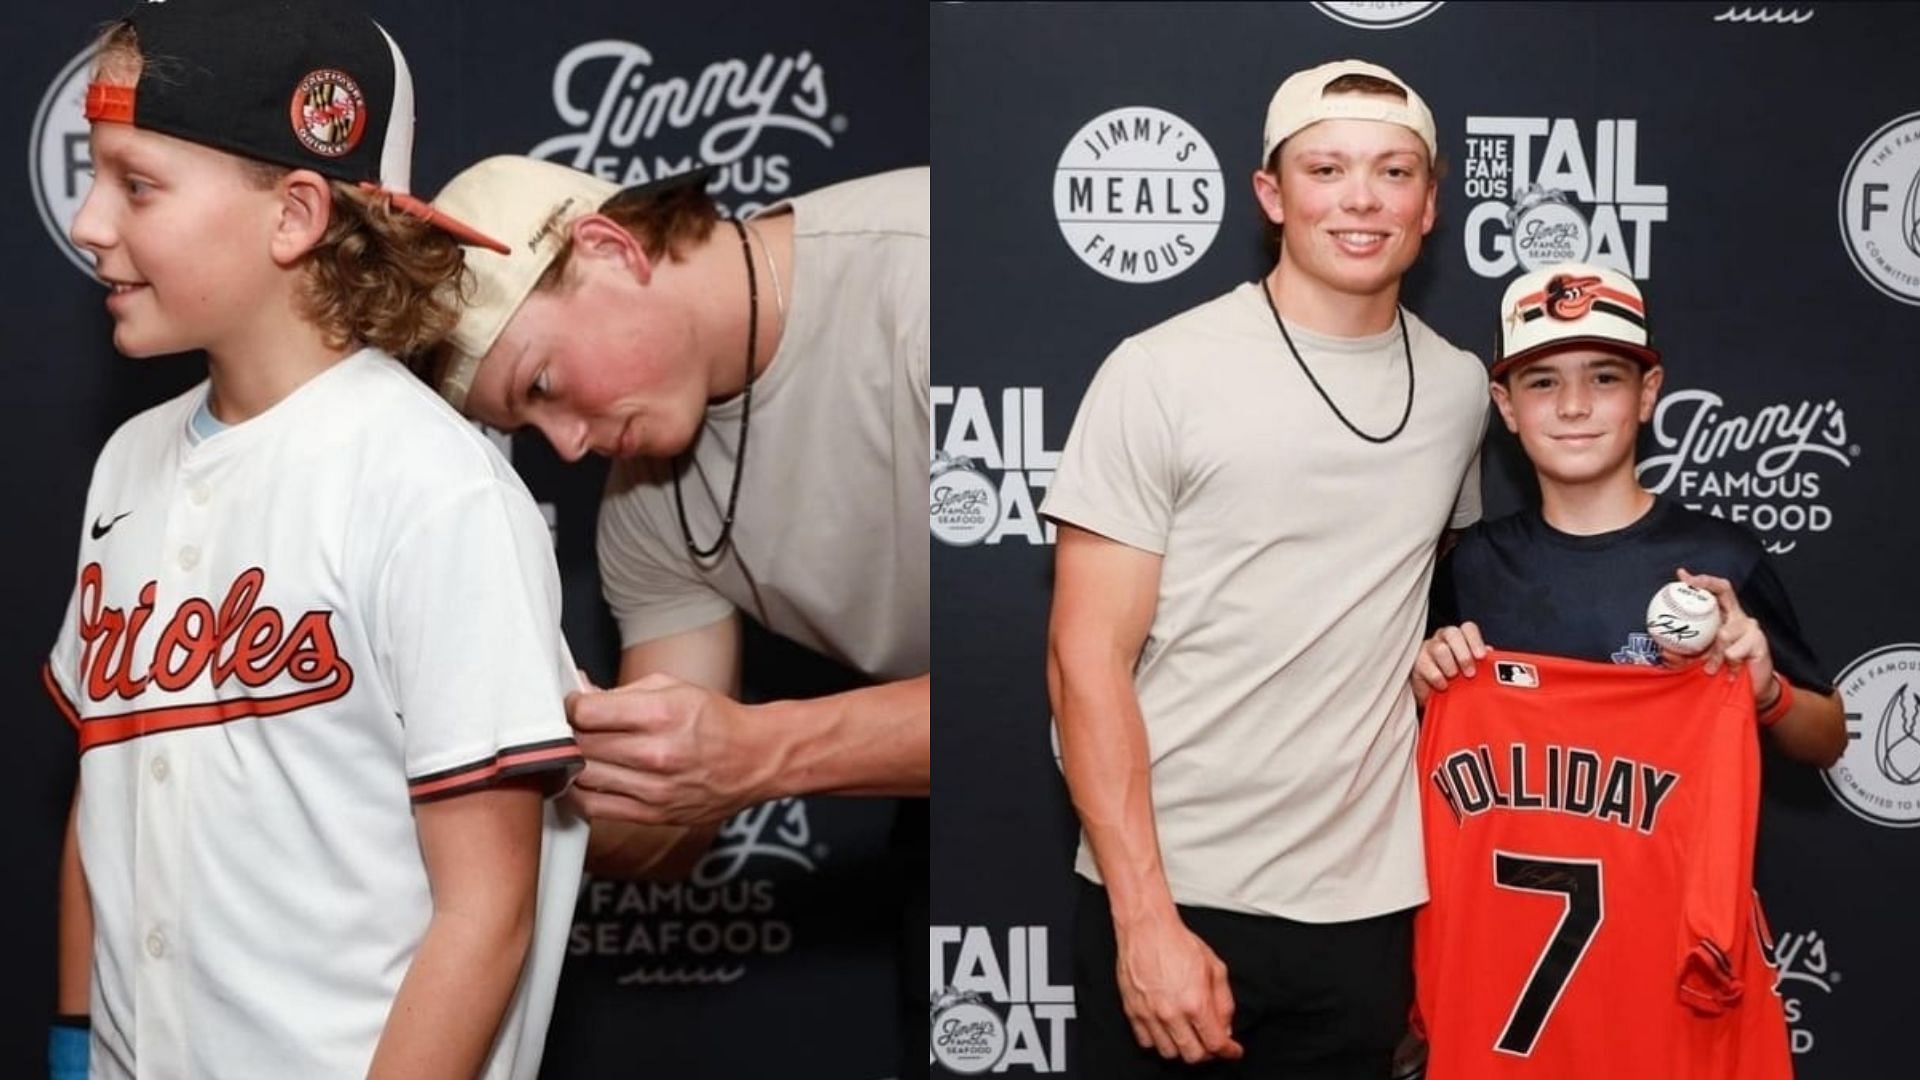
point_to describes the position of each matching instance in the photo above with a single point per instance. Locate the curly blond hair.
(378, 276)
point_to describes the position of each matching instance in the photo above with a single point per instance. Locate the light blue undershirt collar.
(204, 424)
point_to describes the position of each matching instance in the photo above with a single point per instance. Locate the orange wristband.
(1771, 714)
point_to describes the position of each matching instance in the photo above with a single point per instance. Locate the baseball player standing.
(312, 653)
(1249, 505)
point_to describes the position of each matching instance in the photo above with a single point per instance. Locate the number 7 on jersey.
(1578, 881)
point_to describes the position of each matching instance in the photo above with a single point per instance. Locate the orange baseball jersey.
(1589, 836)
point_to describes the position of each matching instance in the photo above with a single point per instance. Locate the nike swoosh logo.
(100, 530)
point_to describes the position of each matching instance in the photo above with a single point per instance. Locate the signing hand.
(664, 752)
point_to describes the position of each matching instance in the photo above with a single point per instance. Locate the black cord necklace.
(746, 413)
(1405, 345)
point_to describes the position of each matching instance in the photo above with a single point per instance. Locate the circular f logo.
(62, 164)
(1880, 209)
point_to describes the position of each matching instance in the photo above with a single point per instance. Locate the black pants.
(1312, 1001)
(908, 854)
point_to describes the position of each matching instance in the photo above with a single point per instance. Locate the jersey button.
(200, 493)
(189, 557)
(159, 770)
(156, 945)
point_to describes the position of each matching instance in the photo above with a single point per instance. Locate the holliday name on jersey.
(1569, 780)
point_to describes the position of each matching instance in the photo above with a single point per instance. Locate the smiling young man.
(1249, 506)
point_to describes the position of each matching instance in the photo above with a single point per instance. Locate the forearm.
(482, 855)
(75, 945)
(1813, 730)
(871, 741)
(456, 991)
(624, 851)
(1104, 753)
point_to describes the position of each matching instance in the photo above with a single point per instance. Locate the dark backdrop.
(797, 978)
(1756, 167)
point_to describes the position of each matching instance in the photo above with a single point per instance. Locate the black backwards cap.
(289, 82)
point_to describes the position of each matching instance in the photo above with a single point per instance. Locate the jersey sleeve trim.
(1708, 982)
(59, 696)
(554, 755)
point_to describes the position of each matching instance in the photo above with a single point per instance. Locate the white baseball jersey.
(282, 637)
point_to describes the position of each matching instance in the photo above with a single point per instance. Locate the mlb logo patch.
(1515, 673)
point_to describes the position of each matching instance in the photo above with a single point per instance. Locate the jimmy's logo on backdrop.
(968, 505)
(1377, 16)
(963, 504)
(624, 117)
(995, 1009)
(1878, 777)
(1138, 194)
(1567, 199)
(62, 162)
(706, 929)
(1803, 966)
(1764, 469)
(1880, 209)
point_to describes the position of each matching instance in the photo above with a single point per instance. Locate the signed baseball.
(1683, 618)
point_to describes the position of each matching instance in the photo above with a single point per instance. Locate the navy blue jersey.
(1534, 588)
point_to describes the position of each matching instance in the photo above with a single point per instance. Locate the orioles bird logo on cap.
(329, 113)
(1570, 297)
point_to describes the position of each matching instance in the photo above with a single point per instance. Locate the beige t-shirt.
(830, 538)
(1293, 592)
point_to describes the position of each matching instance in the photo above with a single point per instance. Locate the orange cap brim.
(111, 102)
(439, 219)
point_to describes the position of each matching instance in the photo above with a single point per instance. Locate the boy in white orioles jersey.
(313, 652)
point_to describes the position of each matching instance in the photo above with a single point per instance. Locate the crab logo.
(1896, 748)
(1878, 776)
